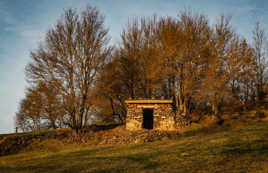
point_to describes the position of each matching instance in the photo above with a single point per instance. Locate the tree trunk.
(112, 105)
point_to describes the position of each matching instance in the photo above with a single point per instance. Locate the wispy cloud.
(29, 33)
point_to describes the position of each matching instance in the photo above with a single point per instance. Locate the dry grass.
(238, 147)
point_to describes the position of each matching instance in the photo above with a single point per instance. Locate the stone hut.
(150, 114)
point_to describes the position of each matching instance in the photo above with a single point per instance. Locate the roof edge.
(149, 101)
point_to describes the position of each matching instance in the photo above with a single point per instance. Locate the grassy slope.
(240, 148)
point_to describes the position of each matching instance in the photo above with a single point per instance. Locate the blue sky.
(23, 24)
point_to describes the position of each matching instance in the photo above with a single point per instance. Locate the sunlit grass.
(239, 150)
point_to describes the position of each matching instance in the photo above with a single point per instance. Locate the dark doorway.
(148, 119)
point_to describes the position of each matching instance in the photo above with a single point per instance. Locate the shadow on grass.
(109, 170)
(141, 159)
(86, 160)
(144, 160)
(259, 146)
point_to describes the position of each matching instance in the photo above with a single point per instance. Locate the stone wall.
(163, 116)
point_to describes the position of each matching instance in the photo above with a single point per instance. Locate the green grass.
(241, 149)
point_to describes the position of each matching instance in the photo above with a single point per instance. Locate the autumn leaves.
(201, 66)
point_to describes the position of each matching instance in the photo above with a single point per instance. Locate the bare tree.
(52, 111)
(200, 66)
(71, 57)
(259, 44)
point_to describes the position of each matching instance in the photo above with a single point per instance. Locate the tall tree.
(260, 45)
(215, 84)
(185, 51)
(71, 57)
(138, 57)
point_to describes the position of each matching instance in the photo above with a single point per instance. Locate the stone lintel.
(148, 106)
(148, 101)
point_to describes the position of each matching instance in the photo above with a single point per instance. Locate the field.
(234, 148)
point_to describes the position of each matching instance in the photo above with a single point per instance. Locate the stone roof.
(143, 101)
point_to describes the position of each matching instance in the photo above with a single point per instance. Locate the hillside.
(240, 145)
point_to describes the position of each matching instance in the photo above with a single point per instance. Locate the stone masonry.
(163, 114)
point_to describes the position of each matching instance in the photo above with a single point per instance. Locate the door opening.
(148, 119)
